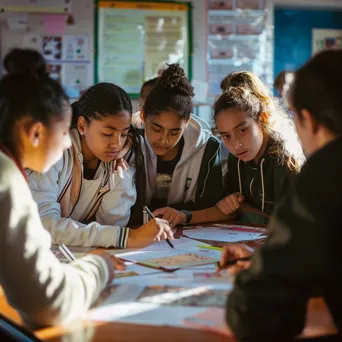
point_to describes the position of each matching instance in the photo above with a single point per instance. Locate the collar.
(17, 162)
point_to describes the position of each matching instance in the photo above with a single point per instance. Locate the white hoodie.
(185, 175)
(118, 196)
(43, 290)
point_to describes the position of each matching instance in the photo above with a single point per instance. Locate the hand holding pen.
(151, 216)
(235, 257)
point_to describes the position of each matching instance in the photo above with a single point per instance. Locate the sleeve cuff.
(122, 237)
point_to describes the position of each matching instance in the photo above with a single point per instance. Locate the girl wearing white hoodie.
(182, 157)
(86, 198)
(33, 134)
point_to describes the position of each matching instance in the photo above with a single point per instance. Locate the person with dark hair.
(87, 197)
(303, 250)
(25, 62)
(264, 152)
(144, 91)
(182, 157)
(34, 132)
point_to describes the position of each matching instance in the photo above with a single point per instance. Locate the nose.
(238, 144)
(165, 138)
(115, 141)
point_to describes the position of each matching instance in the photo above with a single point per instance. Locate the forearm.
(247, 208)
(212, 214)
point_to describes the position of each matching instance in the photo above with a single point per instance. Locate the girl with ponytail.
(87, 197)
(182, 157)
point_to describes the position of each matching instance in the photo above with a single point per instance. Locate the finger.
(159, 234)
(225, 256)
(241, 198)
(119, 264)
(169, 233)
(223, 207)
(160, 211)
(120, 171)
(235, 203)
(125, 165)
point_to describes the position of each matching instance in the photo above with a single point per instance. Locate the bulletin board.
(64, 39)
(135, 40)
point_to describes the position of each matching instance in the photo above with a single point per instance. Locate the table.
(319, 322)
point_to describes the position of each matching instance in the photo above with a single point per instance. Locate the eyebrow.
(115, 129)
(237, 126)
(172, 129)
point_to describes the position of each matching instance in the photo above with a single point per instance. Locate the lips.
(241, 154)
(160, 148)
(112, 154)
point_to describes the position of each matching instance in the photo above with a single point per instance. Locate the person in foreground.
(34, 132)
(303, 249)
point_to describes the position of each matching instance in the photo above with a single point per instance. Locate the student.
(33, 134)
(264, 153)
(144, 91)
(86, 198)
(25, 62)
(182, 157)
(303, 251)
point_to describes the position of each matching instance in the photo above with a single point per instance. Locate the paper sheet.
(224, 235)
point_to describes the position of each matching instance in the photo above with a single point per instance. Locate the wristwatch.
(188, 216)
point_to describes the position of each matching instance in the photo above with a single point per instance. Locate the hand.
(112, 262)
(230, 203)
(173, 216)
(121, 166)
(153, 231)
(236, 251)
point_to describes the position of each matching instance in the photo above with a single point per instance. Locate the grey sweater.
(36, 284)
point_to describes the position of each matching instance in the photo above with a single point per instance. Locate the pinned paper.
(31, 41)
(54, 24)
(18, 22)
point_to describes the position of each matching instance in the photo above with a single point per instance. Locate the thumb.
(241, 198)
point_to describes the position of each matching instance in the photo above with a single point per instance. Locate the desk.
(319, 322)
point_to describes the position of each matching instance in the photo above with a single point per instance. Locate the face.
(241, 134)
(50, 142)
(164, 131)
(104, 138)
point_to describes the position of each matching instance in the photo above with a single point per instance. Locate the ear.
(142, 116)
(264, 117)
(35, 133)
(81, 125)
(308, 122)
(188, 120)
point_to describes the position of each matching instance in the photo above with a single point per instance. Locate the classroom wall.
(293, 34)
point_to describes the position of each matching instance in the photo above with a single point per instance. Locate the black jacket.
(303, 252)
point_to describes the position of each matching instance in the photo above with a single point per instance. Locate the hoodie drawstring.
(239, 174)
(262, 184)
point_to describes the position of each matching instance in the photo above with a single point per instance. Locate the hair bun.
(174, 78)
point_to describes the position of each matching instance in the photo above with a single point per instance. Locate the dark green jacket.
(262, 185)
(303, 252)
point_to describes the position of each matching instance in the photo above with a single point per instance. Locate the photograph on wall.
(52, 48)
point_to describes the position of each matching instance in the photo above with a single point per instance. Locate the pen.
(232, 262)
(149, 213)
(66, 252)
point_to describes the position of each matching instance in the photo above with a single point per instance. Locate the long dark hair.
(172, 92)
(21, 95)
(317, 88)
(107, 99)
(246, 92)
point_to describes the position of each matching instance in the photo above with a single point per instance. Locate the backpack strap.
(71, 192)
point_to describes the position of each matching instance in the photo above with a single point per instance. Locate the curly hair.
(247, 93)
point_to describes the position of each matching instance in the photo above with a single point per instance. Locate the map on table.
(180, 260)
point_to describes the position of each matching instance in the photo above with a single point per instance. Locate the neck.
(262, 150)
(14, 152)
(323, 138)
(89, 159)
